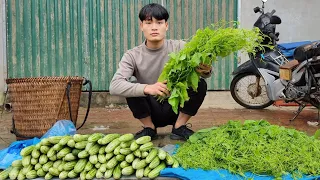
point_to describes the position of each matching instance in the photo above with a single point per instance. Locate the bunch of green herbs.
(218, 40)
(254, 146)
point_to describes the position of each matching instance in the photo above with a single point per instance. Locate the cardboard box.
(286, 69)
(285, 74)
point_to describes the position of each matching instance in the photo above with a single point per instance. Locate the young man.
(144, 64)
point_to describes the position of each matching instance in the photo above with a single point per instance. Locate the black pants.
(161, 112)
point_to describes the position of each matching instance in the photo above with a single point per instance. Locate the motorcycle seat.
(307, 51)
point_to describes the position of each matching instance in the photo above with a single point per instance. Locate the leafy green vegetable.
(218, 40)
(254, 146)
(317, 134)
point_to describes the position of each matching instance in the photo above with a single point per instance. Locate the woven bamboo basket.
(37, 103)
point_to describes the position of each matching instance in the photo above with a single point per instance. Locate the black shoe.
(147, 131)
(181, 133)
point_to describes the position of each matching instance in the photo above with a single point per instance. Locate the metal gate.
(88, 37)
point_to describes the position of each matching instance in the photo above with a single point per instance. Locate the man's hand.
(204, 70)
(158, 88)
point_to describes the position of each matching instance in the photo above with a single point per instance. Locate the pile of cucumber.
(88, 156)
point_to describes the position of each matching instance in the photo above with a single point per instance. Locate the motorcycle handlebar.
(273, 36)
(272, 12)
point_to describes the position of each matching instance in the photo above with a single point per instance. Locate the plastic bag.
(61, 128)
(170, 148)
(8, 155)
(12, 153)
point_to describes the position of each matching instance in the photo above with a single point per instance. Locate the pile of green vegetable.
(217, 40)
(254, 146)
(90, 156)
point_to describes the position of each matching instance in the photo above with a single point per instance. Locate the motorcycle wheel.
(245, 92)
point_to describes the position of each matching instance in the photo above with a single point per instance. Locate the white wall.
(300, 18)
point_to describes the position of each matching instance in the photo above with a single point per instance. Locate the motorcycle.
(268, 76)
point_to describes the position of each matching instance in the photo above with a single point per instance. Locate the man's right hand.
(158, 88)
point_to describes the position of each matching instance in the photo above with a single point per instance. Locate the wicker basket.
(37, 103)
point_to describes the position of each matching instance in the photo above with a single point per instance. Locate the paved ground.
(216, 110)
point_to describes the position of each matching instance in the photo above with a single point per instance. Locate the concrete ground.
(217, 109)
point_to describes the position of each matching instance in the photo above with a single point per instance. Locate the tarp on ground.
(197, 174)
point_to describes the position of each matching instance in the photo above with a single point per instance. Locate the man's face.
(154, 30)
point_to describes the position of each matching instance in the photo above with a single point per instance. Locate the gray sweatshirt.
(145, 65)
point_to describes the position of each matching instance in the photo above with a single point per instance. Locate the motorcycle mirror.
(275, 20)
(256, 9)
(264, 1)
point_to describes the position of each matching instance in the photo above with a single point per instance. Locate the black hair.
(153, 10)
